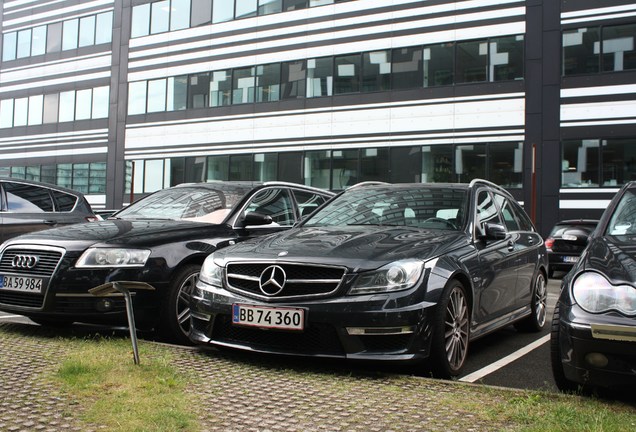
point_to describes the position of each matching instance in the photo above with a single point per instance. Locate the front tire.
(538, 307)
(174, 322)
(451, 332)
(562, 383)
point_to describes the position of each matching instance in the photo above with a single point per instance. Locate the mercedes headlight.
(211, 273)
(595, 294)
(113, 257)
(396, 276)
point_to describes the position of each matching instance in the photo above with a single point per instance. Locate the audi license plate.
(21, 283)
(268, 317)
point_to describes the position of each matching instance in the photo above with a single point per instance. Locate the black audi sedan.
(566, 242)
(402, 272)
(159, 242)
(593, 337)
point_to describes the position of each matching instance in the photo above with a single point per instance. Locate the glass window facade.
(579, 53)
(70, 32)
(156, 95)
(221, 88)
(347, 74)
(376, 71)
(268, 83)
(619, 52)
(320, 77)
(472, 61)
(293, 79)
(243, 82)
(87, 31)
(598, 162)
(439, 63)
(406, 68)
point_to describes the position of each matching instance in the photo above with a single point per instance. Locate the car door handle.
(49, 222)
(511, 246)
(530, 240)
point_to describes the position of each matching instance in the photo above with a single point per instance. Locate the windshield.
(421, 207)
(192, 203)
(623, 221)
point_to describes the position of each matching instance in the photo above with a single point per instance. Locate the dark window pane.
(293, 79)
(438, 64)
(619, 52)
(54, 38)
(80, 177)
(27, 198)
(265, 166)
(241, 167)
(290, 167)
(275, 203)
(320, 77)
(246, 8)
(97, 178)
(406, 65)
(63, 201)
(580, 51)
(470, 162)
(198, 90)
(266, 7)
(376, 71)
(268, 83)
(579, 164)
(317, 168)
(218, 168)
(619, 161)
(347, 79)
(486, 212)
(505, 162)
(344, 168)
(289, 5)
(374, 164)
(223, 10)
(506, 58)
(308, 202)
(508, 213)
(243, 85)
(48, 174)
(437, 164)
(472, 61)
(405, 164)
(201, 12)
(221, 88)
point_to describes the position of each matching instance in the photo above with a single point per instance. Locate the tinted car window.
(27, 198)
(624, 218)
(507, 212)
(308, 202)
(64, 202)
(524, 221)
(275, 203)
(486, 212)
(440, 208)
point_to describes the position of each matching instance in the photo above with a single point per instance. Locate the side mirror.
(254, 218)
(495, 231)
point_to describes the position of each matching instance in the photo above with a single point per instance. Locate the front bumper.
(369, 327)
(597, 350)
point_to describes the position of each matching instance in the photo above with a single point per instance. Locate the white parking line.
(477, 375)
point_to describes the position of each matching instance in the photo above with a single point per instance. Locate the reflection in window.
(266, 7)
(344, 170)
(243, 85)
(80, 177)
(218, 168)
(438, 64)
(317, 168)
(177, 96)
(320, 77)
(347, 79)
(619, 52)
(506, 58)
(97, 178)
(505, 164)
(201, 12)
(137, 98)
(406, 64)
(241, 167)
(156, 95)
(472, 58)
(54, 38)
(265, 166)
(376, 71)
(70, 32)
(579, 164)
(470, 162)
(9, 42)
(268, 83)
(289, 5)
(580, 51)
(374, 164)
(246, 8)
(221, 88)
(65, 175)
(293, 79)
(619, 161)
(437, 164)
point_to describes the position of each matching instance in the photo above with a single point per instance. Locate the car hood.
(614, 256)
(121, 232)
(357, 247)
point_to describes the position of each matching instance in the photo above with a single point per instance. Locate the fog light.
(104, 305)
(379, 331)
(597, 360)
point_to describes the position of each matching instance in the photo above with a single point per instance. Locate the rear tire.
(538, 307)
(174, 324)
(562, 383)
(451, 331)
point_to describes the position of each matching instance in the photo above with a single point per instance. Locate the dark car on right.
(593, 340)
(566, 242)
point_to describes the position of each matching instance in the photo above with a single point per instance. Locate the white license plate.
(21, 283)
(570, 259)
(268, 317)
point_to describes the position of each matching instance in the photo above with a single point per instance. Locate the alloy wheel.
(456, 329)
(183, 302)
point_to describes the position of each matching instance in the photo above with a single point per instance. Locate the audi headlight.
(113, 257)
(396, 276)
(595, 294)
(211, 273)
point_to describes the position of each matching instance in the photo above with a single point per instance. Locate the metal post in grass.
(124, 287)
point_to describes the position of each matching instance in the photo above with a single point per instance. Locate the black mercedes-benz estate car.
(161, 240)
(382, 272)
(593, 341)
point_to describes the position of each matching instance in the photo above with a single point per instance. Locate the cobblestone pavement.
(237, 391)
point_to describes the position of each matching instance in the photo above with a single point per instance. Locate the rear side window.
(308, 202)
(275, 203)
(507, 212)
(27, 198)
(486, 212)
(64, 202)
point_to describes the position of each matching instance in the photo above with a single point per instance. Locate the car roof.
(577, 222)
(232, 184)
(41, 184)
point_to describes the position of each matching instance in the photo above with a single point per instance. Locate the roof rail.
(367, 183)
(473, 182)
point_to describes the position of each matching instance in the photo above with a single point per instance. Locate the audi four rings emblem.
(272, 280)
(24, 261)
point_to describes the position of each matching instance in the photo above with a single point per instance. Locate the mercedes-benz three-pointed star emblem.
(272, 280)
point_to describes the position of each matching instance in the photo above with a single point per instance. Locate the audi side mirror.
(254, 218)
(495, 231)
